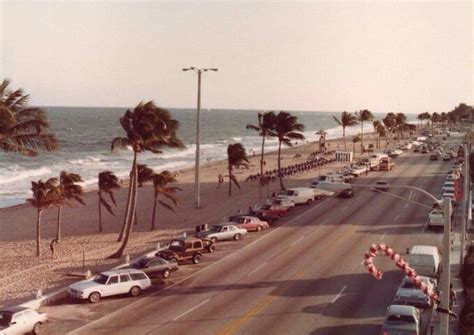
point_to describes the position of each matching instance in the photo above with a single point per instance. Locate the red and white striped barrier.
(381, 248)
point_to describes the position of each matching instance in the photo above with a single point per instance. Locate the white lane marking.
(192, 309)
(344, 209)
(406, 205)
(223, 259)
(396, 217)
(338, 295)
(298, 240)
(424, 226)
(381, 237)
(258, 268)
(324, 222)
(411, 194)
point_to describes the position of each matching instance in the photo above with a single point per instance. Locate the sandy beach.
(21, 273)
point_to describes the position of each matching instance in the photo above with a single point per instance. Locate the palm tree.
(381, 132)
(69, 190)
(148, 128)
(107, 183)
(347, 120)
(23, 129)
(160, 185)
(363, 116)
(45, 195)
(236, 156)
(266, 123)
(400, 120)
(390, 122)
(355, 139)
(286, 129)
(376, 124)
(145, 174)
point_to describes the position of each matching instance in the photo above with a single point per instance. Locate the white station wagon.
(110, 283)
(21, 320)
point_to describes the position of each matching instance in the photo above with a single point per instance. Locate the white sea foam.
(15, 175)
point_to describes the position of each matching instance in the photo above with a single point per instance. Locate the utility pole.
(445, 280)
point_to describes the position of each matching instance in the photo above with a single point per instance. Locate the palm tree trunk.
(354, 148)
(100, 213)
(58, 229)
(133, 202)
(129, 203)
(153, 215)
(38, 233)
(230, 180)
(361, 137)
(135, 221)
(282, 187)
(344, 137)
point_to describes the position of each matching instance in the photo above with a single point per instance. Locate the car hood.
(83, 285)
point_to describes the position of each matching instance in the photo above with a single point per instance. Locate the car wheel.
(37, 328)
(212, 248)
(134, 291)
(308, 202)
(214, 239)
(175, 260)
(166, 273)
(237, 237)
(94, 297)
(259, 228)
(196, 258)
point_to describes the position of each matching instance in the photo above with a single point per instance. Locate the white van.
(331, 186)
(425, 260)
(299, 195)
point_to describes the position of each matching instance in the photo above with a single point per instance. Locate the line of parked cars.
(403, 315)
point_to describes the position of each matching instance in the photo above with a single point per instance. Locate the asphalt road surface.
(303, 276)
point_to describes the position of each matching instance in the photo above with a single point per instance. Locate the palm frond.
(164, 204)
(122, 142)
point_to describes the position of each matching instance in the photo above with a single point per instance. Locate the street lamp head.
(186, 69)
(192, 68)
(214, 69)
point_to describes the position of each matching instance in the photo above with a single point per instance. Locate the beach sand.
(21, 273)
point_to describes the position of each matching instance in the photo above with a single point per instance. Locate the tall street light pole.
(197, 188)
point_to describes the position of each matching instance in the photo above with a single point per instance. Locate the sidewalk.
(433, 329)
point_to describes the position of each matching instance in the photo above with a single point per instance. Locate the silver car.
(408, 294)
(225, 231)
(401, 320)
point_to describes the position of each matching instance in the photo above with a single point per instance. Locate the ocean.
(85, 134)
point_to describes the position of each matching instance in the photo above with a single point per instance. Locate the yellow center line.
(234, 326)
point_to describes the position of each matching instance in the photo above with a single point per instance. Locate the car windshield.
(176, 245)
(239, 220)
(101, 279)
(216, 228)
(5, 318)
(408, 284)
(401, 318)
(141, 263)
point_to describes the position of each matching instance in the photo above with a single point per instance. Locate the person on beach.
(220, 180)
(52, 247)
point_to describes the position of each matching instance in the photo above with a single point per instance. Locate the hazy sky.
(406, 57)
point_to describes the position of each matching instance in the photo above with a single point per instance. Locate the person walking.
(452, 296)
(52, 247)
(220, 180)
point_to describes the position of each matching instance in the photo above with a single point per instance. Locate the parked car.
(382, 185)
(222, 232)
(21, 320)
(284, 203)
(401, 320)
(270, 210)
(331, 187)
(153, 266)
(299, 195)
(408, 294)
(110, 283)
(358, 170)
(424, 150)
(185, 249)
(434, 157)
(250, 223)
(446, 157)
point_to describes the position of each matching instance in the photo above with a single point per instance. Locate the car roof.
(400, 310)
(119, 272)
(14, 309)
(423, 249)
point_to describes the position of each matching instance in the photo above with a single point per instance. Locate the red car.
(271, 210)
(251, 223)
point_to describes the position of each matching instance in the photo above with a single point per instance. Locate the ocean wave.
(12, 176)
